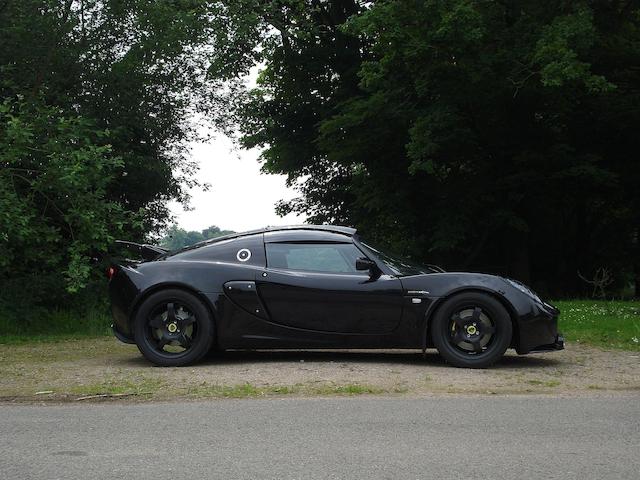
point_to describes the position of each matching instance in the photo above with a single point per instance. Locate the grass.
(158, 388)
(138, 386)
(604, 324)
(248, 390)
(544, 383)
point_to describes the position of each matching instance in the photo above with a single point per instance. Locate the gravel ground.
(66, 371)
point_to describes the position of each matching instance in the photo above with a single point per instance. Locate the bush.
(41, 307)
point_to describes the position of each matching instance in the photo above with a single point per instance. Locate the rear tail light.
(111, 271)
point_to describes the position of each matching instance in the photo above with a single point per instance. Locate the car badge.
(243, 254)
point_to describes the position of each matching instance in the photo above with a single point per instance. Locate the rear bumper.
(122, 293)
(121, 336)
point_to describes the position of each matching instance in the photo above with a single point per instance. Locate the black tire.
(471, 330)
(173, 328)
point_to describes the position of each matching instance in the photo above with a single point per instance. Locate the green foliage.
(557, 51)
(55, 172)
(79, 316)
(495, 136)
(176, 237)
(95, 98)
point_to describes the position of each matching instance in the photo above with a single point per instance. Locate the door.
(315, 286)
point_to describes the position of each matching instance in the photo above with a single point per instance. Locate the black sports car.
(311, 287)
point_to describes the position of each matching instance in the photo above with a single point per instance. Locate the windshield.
(399, 265)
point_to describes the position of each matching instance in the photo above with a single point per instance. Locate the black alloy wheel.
(173, 328)
(471, 330)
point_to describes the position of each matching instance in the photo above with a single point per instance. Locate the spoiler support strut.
(148, 252)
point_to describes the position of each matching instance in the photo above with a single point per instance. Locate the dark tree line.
(177, 237)
(497, 136)
(483, 135)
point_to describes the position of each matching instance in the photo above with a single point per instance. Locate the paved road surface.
(366, 437)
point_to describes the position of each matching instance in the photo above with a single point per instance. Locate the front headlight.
(524, 289)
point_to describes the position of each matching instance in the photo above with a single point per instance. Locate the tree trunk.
(636, 279)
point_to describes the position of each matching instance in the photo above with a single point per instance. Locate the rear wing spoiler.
(147, 252)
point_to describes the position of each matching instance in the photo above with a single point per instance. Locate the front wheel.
(471, 330)
(173, 328)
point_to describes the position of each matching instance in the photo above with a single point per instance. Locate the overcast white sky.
(240, 197)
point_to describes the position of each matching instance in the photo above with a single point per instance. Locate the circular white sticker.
(243, 254)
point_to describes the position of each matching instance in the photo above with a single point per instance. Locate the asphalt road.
(366, 437)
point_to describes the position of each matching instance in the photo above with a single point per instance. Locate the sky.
(240, 197)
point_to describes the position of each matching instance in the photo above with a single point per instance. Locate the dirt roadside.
(70, 370)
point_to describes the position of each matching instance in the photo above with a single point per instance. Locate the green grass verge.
(54, 325)
(159, 389)
(605, 324)
(248, 390)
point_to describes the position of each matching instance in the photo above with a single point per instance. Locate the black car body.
(315, 287)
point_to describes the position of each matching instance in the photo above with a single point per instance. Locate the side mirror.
(366, 264)
(363, 263)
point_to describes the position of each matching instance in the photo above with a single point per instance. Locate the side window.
(314, 257)
(247, 250)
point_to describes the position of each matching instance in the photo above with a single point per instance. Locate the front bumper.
(558, 344)
(538, 330)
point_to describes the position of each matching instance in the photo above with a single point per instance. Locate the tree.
(177, 237)
(95, 98)
(497, 136)
(53, 182)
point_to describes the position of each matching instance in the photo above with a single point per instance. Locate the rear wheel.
(173, 328)
(471, 330)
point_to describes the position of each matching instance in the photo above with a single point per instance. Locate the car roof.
(349, 231)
